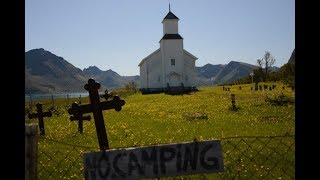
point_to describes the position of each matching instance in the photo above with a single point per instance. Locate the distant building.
(169, 68)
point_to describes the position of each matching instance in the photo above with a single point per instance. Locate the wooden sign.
(155, 161)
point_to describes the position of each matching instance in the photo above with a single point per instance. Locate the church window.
(186, 78)
(173, 62)
(159, 78)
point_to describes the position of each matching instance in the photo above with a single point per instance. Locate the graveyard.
(219, 112)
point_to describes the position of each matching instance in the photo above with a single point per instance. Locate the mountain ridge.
(46, 72)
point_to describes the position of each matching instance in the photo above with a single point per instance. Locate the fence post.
(31, 151)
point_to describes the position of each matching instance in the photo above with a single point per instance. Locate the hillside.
(209, 70)
(233, 71)
(221, 74)
(46, 72)
(109, 78)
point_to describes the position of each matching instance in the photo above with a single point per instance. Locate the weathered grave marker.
(96, 108)
(106, 95)
(40, 115)
(77, 116)
(155, 161)
(233, 102)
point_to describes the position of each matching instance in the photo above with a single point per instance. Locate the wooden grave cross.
(78, 117)
(96, 107)
(40, 115)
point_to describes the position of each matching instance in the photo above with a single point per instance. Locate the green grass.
(159, 118)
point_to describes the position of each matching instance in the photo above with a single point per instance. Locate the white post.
(251, 74)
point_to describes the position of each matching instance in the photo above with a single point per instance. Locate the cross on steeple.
(96, 107)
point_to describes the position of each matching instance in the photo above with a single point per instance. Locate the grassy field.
(159, 118)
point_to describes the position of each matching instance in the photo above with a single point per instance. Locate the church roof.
(172, 36)
(148, 57)
(170, 15)
(189, 54)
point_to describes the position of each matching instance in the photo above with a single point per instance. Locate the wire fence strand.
(245, 157)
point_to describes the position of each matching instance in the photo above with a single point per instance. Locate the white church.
(169, 68)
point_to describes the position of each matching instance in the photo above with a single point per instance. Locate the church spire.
(169, 8)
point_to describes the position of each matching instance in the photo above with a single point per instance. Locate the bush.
(279, 100)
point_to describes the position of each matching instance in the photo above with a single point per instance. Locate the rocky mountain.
(209, 70)
(220, 74)
(109, 78)
(46, 72)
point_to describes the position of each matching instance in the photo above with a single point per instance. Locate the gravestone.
(40, 115)
(96, 107)
(78, 117)
(256, 86)
(233, 102)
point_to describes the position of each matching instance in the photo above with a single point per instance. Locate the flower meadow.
(154, 119)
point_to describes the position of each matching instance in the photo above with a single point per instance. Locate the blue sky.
(118, 34)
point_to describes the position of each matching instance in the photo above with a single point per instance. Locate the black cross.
(96, 108)
(40, 116)
(78, 117)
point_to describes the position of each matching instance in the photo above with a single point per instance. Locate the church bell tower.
(171, 46)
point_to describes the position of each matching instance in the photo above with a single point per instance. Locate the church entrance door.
(174, 79)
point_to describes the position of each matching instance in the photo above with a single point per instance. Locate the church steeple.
(170, 15)
(170, 26)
